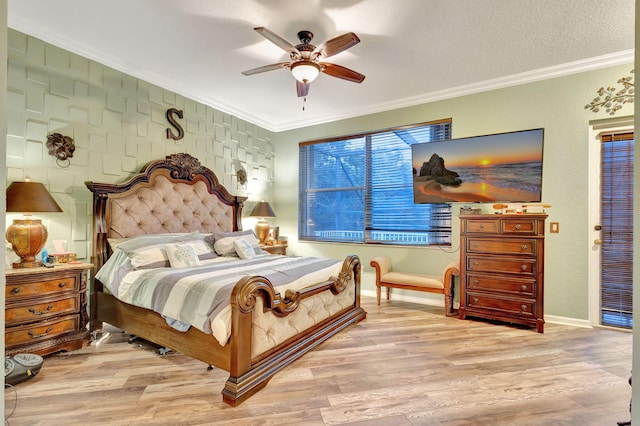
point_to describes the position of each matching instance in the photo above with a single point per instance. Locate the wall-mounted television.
(502, 168)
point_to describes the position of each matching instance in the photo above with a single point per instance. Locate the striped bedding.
(199, 296)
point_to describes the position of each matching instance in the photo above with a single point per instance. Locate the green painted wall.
(118, 123)
(557, 105)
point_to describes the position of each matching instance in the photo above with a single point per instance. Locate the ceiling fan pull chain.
(304, 101)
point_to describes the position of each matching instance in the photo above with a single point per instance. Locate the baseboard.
(554, 319)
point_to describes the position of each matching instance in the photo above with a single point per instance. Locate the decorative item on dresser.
(26, 235)
(46, 309)
(502, 261)
(278, 247)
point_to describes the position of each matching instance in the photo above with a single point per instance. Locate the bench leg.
(388, 292)
(448, 300)
(378, 293)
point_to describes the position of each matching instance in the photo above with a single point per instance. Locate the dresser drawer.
(520, 226)
(16, 289)
(514, 307)
(41, 331)
(499, 284)
(524, 267)
(502, 246)
(486, 226)
(39, 310)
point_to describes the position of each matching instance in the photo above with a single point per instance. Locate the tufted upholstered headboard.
(173, 195)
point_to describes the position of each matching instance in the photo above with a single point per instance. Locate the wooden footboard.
(250, 372)
(252, 299)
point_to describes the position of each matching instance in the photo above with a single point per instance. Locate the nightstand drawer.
(30, 312)
(41, 331)
(40, 288)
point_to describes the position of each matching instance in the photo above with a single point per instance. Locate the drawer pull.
(518, 226)
(524, 307)
(476, 282)
(37, 336)
(476, 245)
(15, 290)
(524, 247)
(475, 300)
(524, 267)
(62, 284)
(33, 311)
(524, 287)
(481, 226)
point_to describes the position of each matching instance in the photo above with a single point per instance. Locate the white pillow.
(182, 255)
(244, 249)
(150, 252)
(224, 242)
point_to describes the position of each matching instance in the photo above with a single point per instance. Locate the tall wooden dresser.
(46, 309)
(502, 268)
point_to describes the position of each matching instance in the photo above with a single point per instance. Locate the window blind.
(616, 220)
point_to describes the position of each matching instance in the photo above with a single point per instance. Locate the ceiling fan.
(305, 62)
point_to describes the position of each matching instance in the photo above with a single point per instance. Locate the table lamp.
(262, 210)
(27, 235)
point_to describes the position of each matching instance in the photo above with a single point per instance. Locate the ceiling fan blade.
(302, 88)
(336, 45)
(266, 68)
(341, 72)
(279, 41)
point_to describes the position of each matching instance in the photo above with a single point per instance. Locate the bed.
(268, 328)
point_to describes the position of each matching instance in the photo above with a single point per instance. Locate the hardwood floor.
(406, 364)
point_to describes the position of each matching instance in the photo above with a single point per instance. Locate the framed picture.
(274, 233)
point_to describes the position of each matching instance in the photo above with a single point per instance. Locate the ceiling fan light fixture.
(305, 71)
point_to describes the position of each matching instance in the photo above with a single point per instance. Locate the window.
(360, 189)
(616, 221)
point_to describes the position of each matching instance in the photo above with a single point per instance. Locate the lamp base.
(262, 230)
(35, 264)
(27, 237)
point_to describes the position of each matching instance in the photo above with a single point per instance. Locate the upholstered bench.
(443, 284)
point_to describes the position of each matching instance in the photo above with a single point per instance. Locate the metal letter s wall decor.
(174, 123)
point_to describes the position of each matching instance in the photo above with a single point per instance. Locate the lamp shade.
(262, 209)
(30, 197)
(305, 71)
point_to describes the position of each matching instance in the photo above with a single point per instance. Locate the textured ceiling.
(411, 51)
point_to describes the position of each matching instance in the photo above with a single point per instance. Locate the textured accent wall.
(118, 123)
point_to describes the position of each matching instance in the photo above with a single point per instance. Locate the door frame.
(615, 124)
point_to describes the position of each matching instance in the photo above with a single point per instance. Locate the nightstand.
(46, 309)
(280, 247)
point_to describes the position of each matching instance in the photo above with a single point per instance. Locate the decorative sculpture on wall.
(61, 147)
(613, 99)
(241, 173)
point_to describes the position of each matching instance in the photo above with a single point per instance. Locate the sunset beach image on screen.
(503, 167)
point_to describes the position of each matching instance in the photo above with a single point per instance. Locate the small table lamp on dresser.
(262, 210)
(27, 235)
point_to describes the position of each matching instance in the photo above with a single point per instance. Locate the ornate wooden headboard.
(173, 195)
